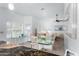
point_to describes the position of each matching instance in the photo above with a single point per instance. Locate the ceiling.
(37, 9)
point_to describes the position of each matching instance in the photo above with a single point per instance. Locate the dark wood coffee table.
(24, 51)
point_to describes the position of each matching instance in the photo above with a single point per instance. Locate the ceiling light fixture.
(42, 9)
(11, 6)
(43, 12)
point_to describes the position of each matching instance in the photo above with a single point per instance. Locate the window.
(16, 31)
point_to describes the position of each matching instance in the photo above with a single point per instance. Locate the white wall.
(2, 24)
(8, 16)
(42, 24)
(46, 24)
(73, 44)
